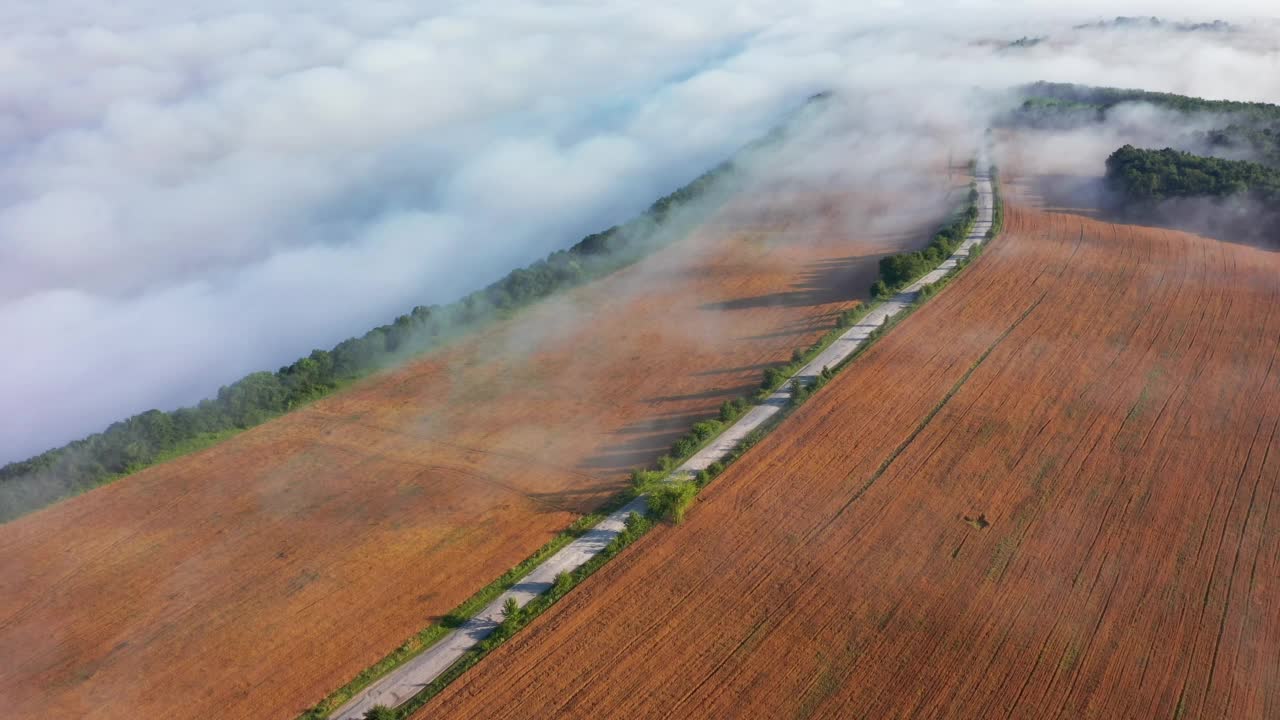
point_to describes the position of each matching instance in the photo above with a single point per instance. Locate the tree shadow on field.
(1232, 220)
(641, 443)
(1084, 195)
(714, 394)
(827, 281)
(674, 422)
(803, 326)
(757, 367)
(581, 501)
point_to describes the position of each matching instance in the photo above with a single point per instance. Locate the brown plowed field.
(249, 580)
(1100, 401)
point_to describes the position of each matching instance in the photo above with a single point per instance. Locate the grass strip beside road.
(432, 634)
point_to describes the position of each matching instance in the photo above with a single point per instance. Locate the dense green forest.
(1148, 177)
(143, 439)
(899, 270)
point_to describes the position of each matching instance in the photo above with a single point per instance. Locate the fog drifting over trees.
(191, 192)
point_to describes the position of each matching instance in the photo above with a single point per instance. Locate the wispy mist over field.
(188, 194)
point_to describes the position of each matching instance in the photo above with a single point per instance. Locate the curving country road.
(407, 680)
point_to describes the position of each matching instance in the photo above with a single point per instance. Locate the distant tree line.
(1154, 23)
(898, 271)
(1049, 113)
(1026, 42)
(1106, 98)
(132, 444)
(1153, 176)
(1252, 129)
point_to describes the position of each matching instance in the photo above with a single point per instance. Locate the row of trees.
(136, 442)
(1148, 177)
(1105, 98)
(898, 271)
(1154, 23)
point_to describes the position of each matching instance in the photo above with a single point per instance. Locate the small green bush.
(733, 409)
(562, 584)
(773, 377)
(634, 526)
(880, 290)
(670, 500)
(711, 472)
(510, 610)
(642, 480)
(800, 391)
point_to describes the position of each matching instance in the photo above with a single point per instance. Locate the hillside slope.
(250, 579)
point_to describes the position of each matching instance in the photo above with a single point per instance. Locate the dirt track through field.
(249, 580)
(1049, 493)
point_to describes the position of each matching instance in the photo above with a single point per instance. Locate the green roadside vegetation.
(668, 499)
(997, 226)
(636, 526)
(927, 292)
(997, 207)
(900, 270)
(431, 634)
(774, 377)
(670, 506)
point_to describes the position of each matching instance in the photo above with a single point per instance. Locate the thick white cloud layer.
(188, 194)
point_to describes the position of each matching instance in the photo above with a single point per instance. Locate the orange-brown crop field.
(1049, 493)
(250, 579)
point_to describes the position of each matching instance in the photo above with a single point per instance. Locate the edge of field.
(637, 526)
